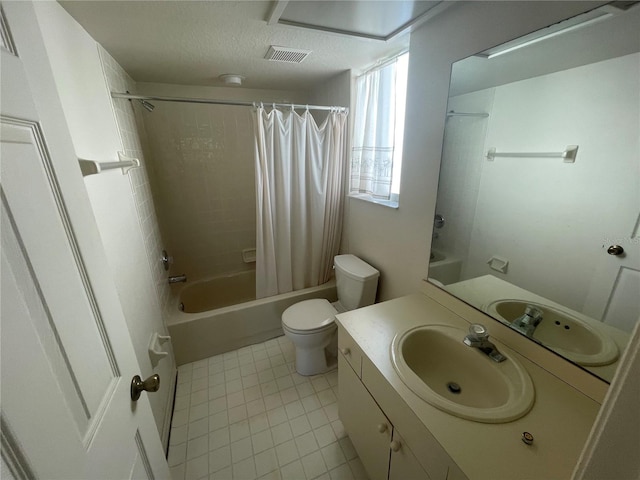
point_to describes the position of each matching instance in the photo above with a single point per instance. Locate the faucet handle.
(479, 331)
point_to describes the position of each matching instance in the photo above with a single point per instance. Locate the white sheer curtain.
(299, 198)
(374, 130)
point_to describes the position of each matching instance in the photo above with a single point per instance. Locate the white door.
(67, 359)
(614, 293)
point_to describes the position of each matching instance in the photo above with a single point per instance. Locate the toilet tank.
(356, 281)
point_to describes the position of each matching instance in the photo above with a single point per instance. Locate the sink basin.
(434, 363)
(568, 335)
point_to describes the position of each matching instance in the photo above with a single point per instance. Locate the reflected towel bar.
(569, 155)
(91, 167)
(452, 113)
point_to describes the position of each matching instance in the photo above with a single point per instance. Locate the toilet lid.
(309, 315)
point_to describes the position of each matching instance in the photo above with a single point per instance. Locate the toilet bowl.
(310, 324)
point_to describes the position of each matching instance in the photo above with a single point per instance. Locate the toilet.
(310, 324)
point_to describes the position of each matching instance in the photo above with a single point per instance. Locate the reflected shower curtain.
(299, 198)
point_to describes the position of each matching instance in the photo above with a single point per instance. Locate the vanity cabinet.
(368, 427)
(400, 436)
(403, 465)
(382, 450)
(351, 352)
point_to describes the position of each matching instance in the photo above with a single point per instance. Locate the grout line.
(298, 425)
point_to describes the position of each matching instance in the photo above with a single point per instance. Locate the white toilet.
(310, 324)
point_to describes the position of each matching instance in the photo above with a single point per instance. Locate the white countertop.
(560, 419)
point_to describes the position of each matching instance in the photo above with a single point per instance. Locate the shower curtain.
(299, 198)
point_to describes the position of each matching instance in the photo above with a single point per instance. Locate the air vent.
(286, 54)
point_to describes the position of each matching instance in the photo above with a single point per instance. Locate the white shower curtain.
(299, 198)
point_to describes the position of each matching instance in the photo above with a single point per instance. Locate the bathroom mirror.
(538, 209)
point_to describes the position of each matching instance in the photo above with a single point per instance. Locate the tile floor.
(247, 414)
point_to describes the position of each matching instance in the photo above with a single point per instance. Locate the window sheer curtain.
(299, 198)
(373, 146)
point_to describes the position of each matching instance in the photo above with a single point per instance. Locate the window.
(376, 156)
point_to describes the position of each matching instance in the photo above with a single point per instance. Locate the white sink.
(434, 363)
(575, 339)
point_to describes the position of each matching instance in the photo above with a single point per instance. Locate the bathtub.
(444, 267)
(222, 314)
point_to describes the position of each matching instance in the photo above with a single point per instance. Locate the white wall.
(133, 136)
(550, 219)
(462, 31)
(460, 173)
(82, 88)
(201, 159)
(337, 92)
(398, 241)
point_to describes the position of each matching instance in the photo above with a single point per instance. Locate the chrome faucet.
(528, 322)
(478, 337)
(178, 278)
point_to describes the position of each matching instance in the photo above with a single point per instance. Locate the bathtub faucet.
(178, 278)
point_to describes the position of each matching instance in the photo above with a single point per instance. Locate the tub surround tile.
(188, 144)
(247, 414)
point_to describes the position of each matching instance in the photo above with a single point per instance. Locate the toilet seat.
(309, 316)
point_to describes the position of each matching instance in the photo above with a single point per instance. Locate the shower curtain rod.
(225, 102)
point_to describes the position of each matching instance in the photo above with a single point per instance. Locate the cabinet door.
(369, 429)
(403, 464)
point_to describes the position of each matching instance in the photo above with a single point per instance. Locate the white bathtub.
(217, 325)
(444, 267)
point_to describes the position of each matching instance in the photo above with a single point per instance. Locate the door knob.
(615, 250)
(151, 384)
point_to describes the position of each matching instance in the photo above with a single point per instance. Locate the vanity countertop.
(560, 419)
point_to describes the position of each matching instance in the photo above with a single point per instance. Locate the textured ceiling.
(192, 43)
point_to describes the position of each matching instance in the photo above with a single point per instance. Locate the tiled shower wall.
(460, 173)
(205, 185)
(133, 136)
(202, 174)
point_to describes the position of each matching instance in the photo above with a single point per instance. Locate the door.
(67, 359)
(614, 293)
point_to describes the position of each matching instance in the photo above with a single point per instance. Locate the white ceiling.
(192, 43)
(613, 37)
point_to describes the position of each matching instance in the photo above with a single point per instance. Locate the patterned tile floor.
(247, 414)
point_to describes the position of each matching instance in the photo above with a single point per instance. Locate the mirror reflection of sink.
(437, 366)
(565, 333)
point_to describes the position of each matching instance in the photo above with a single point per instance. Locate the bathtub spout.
(178, 278)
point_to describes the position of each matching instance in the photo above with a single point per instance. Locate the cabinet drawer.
(350, 350)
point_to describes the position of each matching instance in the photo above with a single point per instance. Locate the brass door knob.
(615, 250)
(151, 384)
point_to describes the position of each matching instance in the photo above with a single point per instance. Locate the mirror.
(538, 210)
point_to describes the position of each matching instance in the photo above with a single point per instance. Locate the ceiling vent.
(286, 54)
